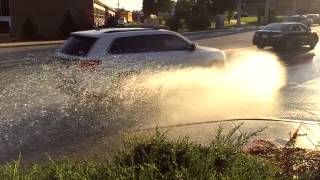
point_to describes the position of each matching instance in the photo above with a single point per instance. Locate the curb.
(222, 30)
(39, 43)
(199, 36)
(35, 43)
(212, 31)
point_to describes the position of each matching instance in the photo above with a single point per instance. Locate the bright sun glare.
(196, 94)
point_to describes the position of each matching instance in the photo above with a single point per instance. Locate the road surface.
(298, 100)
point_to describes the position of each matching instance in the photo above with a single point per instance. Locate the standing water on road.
(55, 106)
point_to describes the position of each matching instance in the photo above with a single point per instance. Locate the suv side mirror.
(192, 47)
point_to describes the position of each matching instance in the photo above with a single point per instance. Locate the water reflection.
(303, 55)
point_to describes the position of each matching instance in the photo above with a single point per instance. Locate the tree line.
(194, 14)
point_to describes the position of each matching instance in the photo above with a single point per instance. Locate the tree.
(155, 6)
(111, 21)
(183, 8)
(174, 23)
(149, 7)
(67, 26)
(220, 6)
(198, 14)
(165, 5)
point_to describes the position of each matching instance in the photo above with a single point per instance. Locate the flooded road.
(48, 106)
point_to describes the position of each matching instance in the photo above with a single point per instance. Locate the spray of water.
(248, 87)
(57, 105)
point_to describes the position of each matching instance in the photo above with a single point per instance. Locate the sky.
(127, 4)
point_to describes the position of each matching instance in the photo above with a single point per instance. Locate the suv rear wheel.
(314, 41)
(313, 45)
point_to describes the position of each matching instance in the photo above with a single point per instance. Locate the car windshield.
(276, 27)
(159, 89)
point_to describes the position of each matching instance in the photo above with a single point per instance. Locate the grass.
(280, 18)
(245, 20)
(157, 157)
(249, 20)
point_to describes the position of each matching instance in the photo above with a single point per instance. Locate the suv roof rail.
(128, 30)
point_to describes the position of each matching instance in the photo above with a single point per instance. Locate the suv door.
(148, 50)
(301, 34)
(171, 50)
(128, 53)
(305, 35)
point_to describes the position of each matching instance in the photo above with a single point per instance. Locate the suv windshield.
(78, 45)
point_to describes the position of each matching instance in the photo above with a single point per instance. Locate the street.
(299, 99)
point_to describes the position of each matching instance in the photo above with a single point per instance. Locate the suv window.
(303, 28)
(275, 27)
(78, 45)
(148, 43)
(294, 28)
(298, 28)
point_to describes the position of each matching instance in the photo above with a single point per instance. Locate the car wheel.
(313, 44)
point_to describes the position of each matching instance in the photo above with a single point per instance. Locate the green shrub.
(198, 22)
(157, 157)
(279, 18)
(67, 26)
(29, 30)
(174, 23)
(111, 21)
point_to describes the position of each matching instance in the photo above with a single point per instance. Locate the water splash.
(57, 105)
(248, 87)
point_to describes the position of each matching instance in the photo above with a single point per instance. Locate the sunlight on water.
(55, 105)
(248, 87)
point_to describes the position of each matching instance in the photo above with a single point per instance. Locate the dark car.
(285, 36)
(314, 17)
(300, 19)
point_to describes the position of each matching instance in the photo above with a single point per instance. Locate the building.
(101, 13)
(123, 14)
(5, 22)
(48, 15)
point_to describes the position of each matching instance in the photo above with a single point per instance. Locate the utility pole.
(294, 7)
(239, 12)
(267, 12)
(118, 4)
